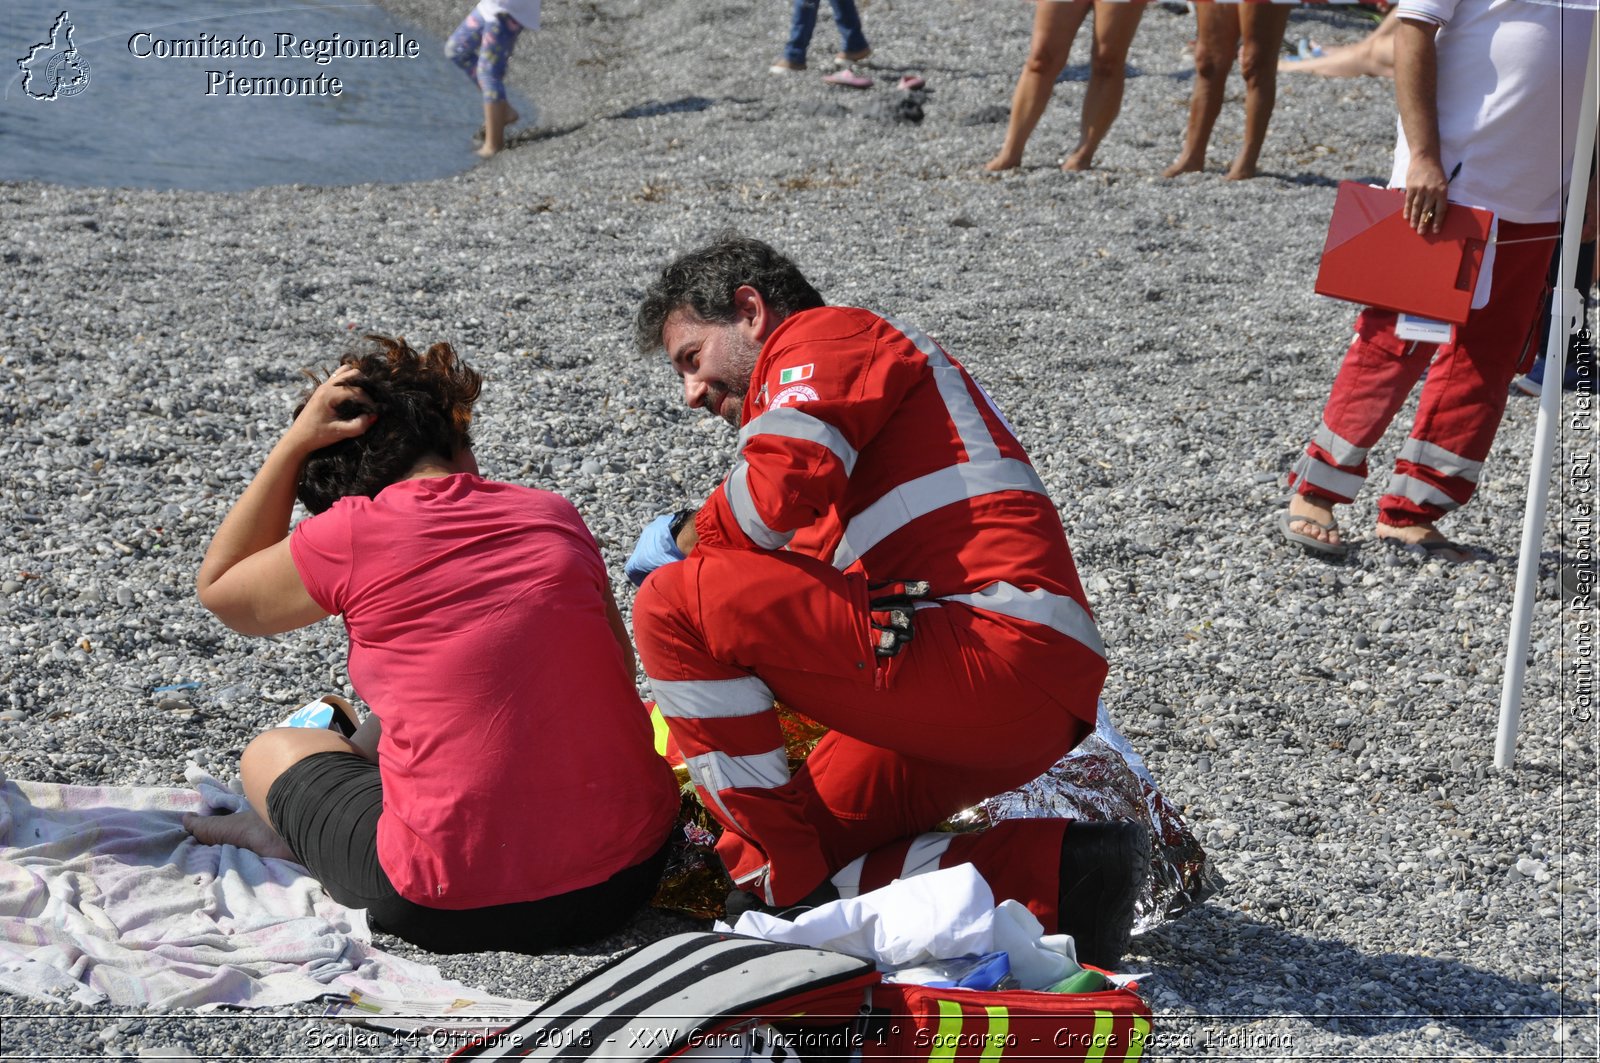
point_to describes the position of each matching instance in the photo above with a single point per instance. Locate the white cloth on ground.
(937, 916)
(104, 897)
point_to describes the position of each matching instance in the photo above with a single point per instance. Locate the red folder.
(1374, 258)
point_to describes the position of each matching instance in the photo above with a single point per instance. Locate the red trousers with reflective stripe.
(1020, 859)
(914, 738)
(1465, 393)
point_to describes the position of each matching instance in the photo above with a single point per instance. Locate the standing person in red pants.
(1252, 29)
(1488, 90)
(883, 558)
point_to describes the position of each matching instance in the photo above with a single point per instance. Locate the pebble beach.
(1327, 728)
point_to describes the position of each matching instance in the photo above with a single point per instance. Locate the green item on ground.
(1084, 981)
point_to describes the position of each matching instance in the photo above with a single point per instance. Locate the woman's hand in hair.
(248, 578)
(337, 410)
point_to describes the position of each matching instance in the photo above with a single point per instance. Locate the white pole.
(1565, 306)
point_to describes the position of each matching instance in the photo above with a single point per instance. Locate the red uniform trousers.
(1019, 858)
(1461, 402)
(915, 738)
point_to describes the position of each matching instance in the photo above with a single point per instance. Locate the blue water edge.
(227, 95)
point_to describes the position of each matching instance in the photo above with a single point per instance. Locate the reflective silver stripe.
(762, 873)
(737, 488)
(717, 771)
(952, 384)
(847, 880)
(1440, 460)
(790, 423)
(1339, 448)
(917, 498)
(924, 854)
(1341, 484)
(984, 472)
(1420, 492)
(711, 699)
(1038, 606)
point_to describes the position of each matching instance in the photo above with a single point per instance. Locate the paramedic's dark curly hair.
(424, 406)
(704, 281)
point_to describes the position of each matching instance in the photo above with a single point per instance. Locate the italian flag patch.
(798, 373)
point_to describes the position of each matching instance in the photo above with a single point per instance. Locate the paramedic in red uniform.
(883, 558)
(1488, 94)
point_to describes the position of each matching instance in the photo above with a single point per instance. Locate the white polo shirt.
(1510, 88)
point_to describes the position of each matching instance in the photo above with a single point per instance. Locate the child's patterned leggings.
(481, 48)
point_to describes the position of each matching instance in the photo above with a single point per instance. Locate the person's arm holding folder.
(1416, 90)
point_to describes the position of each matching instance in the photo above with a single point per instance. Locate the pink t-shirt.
(517, 760)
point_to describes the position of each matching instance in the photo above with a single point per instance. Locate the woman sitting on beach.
(1055, 26)
(510, 799)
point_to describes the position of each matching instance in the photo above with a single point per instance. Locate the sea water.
(228, 95)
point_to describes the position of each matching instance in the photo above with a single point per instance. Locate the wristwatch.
(679, 519)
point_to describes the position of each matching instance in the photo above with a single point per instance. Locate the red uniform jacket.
(866, 445)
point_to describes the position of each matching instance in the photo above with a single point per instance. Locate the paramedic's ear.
(752, 314)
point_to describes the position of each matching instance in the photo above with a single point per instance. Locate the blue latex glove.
(656, 547)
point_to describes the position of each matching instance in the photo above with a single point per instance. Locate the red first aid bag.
(706, 996)
(915, 1022)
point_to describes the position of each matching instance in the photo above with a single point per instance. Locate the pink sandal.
(849, 79)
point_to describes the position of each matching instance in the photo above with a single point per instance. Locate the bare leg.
(1054, 27)
(1372, 56)
(1114, 26)
(1214, 49)
(496, 116)
(267, 757)
(1262, 27)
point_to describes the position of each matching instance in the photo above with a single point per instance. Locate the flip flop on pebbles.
(1311, 542)
(849, 79)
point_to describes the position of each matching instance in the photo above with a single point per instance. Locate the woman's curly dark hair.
(424, 406)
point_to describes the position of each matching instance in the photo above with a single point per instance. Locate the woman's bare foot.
(1081, 158)
(487, 152)
(1184, 165)
(1242, 170)
(1312, 517)
(1003, 161)
(244, 829)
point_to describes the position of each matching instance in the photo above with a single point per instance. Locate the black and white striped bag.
(686, 994)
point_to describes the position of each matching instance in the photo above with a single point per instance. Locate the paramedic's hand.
(893, 606)
(655, 548)
(1426, 190)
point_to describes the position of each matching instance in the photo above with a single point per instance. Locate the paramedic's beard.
(729, 392)
(728, 403)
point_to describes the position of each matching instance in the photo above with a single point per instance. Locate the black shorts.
(326, 807)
